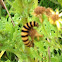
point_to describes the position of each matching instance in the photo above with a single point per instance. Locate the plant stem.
(8, 12)
(46, 32)
(0, 11)
(49, 57)
(36, 3)
(48, 42)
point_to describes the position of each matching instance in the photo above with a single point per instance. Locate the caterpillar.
(25, 33)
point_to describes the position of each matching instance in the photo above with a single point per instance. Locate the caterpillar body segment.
(25, 33)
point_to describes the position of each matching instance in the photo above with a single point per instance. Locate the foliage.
(60, 1)
(10, 36)
(50, 3)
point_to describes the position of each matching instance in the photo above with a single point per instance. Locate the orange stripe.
(26, 26)
(24, 33)
(24, 38)
(26, 42)
(24, 29)
(36, 23)
(29, 24)
(32, 23)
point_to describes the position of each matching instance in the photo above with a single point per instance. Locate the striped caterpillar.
(28, 30)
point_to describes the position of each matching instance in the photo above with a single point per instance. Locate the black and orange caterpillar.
(28, 30)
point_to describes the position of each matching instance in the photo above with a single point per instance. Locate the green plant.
(10, 36)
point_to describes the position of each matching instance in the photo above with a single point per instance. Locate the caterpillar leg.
(33, 33)
(38, 35)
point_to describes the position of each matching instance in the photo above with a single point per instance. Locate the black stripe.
(34, 23)
(25, 40)
(31, 24)
(30, 44)
(24, 31)
(28, 26)
(27, 43)
(24, 35)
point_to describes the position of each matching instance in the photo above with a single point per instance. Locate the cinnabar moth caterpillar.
(25, 33)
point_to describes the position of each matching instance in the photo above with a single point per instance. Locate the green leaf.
(54, 59)
(8, 60)
(60, 1)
